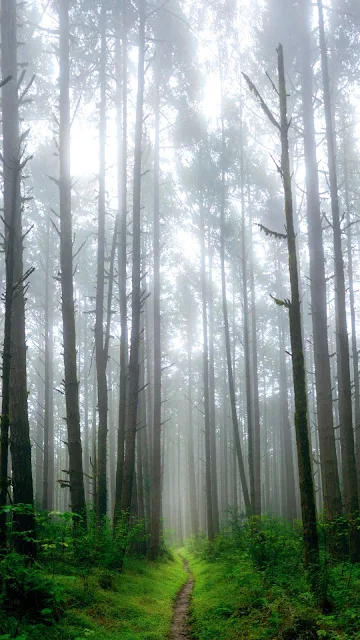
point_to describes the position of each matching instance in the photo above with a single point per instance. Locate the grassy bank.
(253, 589)
(105, 605)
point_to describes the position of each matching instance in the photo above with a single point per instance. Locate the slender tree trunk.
(93, 444)
(6, 354)
(226, 328)
(287, 452)
(249, 413)
(354, 349)
(86, 374)
(121, 117)
(311, 545)
(212, 410)
(308, 509)
(149, 370)
(48, 470)
(208, 487)
(101, 357)
(194, 516)
(180, 527)
(156, 457)
(349, 472)
(39, 448)
(71, 384)
(329, 467)
(139, 447)
(129, 462)
(15, 357)
(255, 382)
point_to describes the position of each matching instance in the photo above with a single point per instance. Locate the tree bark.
(249, 413)
(101, 356)
(76, 478)
(226, 327)
(194, 516)
(325, 423)
(286, 443)
(255, 382)
(208, 487)
(121, 119)
(154, 547)
(48, 470)
(349, 472)
(311, 545)
(15, 356)
(129, 462)
(212, 409)
(354, 349)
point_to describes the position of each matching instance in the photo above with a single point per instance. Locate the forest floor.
(180, 623)
(137, 604)
(202, 592)
(233, 600)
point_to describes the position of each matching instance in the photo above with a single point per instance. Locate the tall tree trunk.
(6, 354)
(93, 460)
(101, 357)
(208, 487)
(287, 451)
(212, 409)
(129, 462)
(194, 516)
(226, 326)
(39, 444)
(255, 381)
(13, 163)
(329, 467)
(86, 374)
(311, 545)
(76, 478)
(354, 349)
(154, 547)
(349, 472)
(48, 470)
(180, 524)
(121, 119)
(140, 448)
(249, 413)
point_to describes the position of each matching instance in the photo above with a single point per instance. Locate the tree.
(48, 468)
(101, 355)
(154, 546)
(308, 510)
(237, 442)
(121, 120)
(204, 290)
(136, 301)
(15, 394)
(71, 385)
(349, 474)
(329, 467)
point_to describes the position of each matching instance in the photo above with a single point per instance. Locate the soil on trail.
(179, 628)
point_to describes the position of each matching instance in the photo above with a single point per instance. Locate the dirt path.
(179, 627)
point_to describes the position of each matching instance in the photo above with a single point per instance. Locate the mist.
(180, 271)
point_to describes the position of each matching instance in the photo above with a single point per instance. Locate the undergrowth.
(74, 590)
(250, 582)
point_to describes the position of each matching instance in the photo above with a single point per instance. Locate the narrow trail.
(179, 627)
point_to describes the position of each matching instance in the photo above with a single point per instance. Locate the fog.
(149, 366)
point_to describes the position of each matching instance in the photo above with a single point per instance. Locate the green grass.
(135, 605)
(232, 600)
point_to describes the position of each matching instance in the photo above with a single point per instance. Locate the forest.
(180, 319)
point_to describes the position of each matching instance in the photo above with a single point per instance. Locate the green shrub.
(26, 593)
